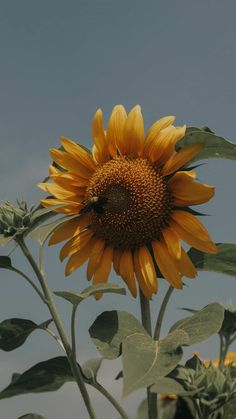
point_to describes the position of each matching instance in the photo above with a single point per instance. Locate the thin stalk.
(57, 339)
(162, 312)
(111, 399)
(73, 338)
(198, 409)
(221, 350)
(76, 370)
(30, 282)
(146, 322)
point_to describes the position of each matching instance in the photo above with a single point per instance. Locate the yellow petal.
(185, 265)
(68, 162)
(78, 258)
(68, 229)
(166, 264)
(147, 268)
(191, 224)
(181, 158)
(115, 130)
(154, 132)
(68, 184)
(117, 253)
(95, 258)
(75, 244)
(192, 194)
(127, 271)
(72, 208)
(164, 146)
(143, 283)
(58, 192)
(134, 132)
(99, 136)
(102, 273)
(180, 178)
(172, 242)
(192, 233)
(79, 153)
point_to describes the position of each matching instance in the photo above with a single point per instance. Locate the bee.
(96, 204)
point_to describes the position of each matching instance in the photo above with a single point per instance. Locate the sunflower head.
(132, 196)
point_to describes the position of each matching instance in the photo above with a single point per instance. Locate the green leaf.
(214, 146)
(91, 367)
(202, 324)
(32, 416)
(14, 332)
(230, 409)
(142, 412)
(42, 233)
(75, 297)
(224, 261)
(110, 329)
(45, 376)
(5, 262)
(166, 385)
(144, 360)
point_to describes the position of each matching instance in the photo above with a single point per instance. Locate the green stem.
(111, 399)
(162, 312)
(146, 322)
(76, 370)
(73, 338)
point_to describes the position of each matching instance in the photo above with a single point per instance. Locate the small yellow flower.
(132, 196)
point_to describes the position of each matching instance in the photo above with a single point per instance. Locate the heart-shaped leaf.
(144, 360)
(75, 297)
(214, 146)
(201, 325)
(224, 261)
(110, 329)
(45, 376)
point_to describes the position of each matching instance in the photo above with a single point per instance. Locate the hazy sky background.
(60, 61)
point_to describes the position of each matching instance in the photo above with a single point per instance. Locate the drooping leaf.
(43, 232)
(110, 329)
(201, 325)
(224, 261)
(75, 297)
(5, 262)
(91, 367)
(41, 215)
(32, 416)
(145, 360)
(45, 376)
(14, 332)
(214, 146)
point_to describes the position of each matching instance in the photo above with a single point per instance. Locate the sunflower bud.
(14, 220)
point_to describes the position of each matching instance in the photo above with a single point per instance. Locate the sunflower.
(131, 196)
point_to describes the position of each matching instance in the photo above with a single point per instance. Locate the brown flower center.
(138, 202)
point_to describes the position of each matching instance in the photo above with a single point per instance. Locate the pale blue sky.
(60, 61)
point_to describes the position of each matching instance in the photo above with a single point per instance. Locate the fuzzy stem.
(146, 322)
(111, 399)
(162, 312)
(75, 368)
